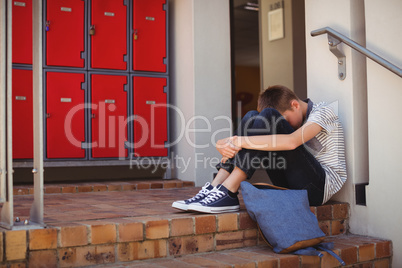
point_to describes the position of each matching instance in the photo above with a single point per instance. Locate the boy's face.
(294, 115)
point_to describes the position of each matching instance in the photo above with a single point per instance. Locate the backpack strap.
(328, 248)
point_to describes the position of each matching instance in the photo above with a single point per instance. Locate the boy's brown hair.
(277, 97)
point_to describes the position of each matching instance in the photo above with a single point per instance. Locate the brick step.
(85, 228)
(356, 251)
(83, 187)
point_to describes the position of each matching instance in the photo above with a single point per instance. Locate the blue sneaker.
(218, 201)
(183, 204)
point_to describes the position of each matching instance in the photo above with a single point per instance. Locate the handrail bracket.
(333, 47)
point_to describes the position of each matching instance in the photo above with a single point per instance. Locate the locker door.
(149, 37)
(65, 22)
(22, 114)
(109, 34)
(109, 113)
(150, 125)
(22, 31)
(65, 115)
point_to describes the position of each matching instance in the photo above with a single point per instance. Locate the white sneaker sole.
(181, 206)
(205, 209)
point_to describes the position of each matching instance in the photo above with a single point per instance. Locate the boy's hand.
(227, 148)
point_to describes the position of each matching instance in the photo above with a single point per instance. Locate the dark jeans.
(295, 169)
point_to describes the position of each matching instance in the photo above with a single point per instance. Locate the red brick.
(181, 226)
(131, 231)
(129, 187)
(229, 240)
(17, 265)
(143, 186)
(227, 222)
(156, 229)
(263, 260)
(349, 255)
(196, 260)
(366, 252)
(190, 244)
(250, 237)
(325, 227)
(179, 184)
(383, 249)
(84, 188)
(114, 187)
(330, 261)
(156, 185)
(31, 190)
(52, 189)
(338, 227)
(100, 188)
(310, 261)
(382, 264)
(103, 233)
(43, 259)
(205, 224)
(141, 250)
(324, 212)
(246, 222)
(340, 211)
(76, 235)
(68, 189)
(85, 256)
(16, 245)
(42, 239)
(168, 185)
(289, 261)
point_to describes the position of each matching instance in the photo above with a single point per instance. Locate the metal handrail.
(369, 54)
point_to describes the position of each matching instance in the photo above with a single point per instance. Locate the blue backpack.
(285, 219)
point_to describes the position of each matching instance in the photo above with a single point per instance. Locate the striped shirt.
(328, 147)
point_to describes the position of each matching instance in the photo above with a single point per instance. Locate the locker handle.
(47, 115)
(92, 30)
(93, 116)
(135, 34)
(47, 25)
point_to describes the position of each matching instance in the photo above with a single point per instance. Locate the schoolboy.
(308, 136)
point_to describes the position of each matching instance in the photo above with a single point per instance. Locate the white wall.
(369, 103)
(349, 95)
(200, 84)
(383, 33)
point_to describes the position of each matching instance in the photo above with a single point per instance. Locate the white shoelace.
(201, 194)
(214, 195)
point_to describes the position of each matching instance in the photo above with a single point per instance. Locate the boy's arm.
(279, 142)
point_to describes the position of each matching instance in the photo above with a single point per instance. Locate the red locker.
(65, 22)
(22, 31)
(22, 114)
(109, 116)
(108, 33)
(65, 115)
(149, 37)
(150, 123)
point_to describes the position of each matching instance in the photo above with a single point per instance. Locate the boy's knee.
(251, 113)
(269, 112)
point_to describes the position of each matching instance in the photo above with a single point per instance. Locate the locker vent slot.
(20, 98)
(66, 9)
(110, 101)
(110, 14)
(150, 102)
(19, 4)
(150, 18)
(65, 100)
